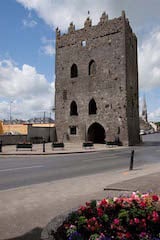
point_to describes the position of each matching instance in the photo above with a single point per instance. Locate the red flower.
(100, 212)
(155, 198)
(93, 224)
(143, 204)
(82, 208)
(104, 202)
(155, 216)
(143, 223)
(128, 235)
(88, 204)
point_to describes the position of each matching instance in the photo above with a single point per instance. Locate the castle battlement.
(88, 23)
(105, 27)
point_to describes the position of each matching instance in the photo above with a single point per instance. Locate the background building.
(144, 110)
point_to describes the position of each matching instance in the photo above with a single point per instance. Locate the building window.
(92, 107)
(73, 109)
(74, 71)
(92, 68)
(83, 43)
(73, 130)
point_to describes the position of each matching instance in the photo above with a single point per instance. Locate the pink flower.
(131, 222)
(136, 220)
(143, 234)
(116, 221)
(143, 223)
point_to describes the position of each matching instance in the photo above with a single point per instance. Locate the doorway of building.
(96, 133)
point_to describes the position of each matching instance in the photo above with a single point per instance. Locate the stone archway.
(96, 133)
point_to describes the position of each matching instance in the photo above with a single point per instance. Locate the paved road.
(26, 170)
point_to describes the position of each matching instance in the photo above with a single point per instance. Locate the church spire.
(144, 110)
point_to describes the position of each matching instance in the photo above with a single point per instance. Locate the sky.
(27, 50)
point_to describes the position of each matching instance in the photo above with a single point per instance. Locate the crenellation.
(88, 23)
(58, 33)
(93, 32)
(104, 18)
(123, 14)
(71, 28)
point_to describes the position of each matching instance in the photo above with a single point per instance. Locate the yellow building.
(1, 127)
(15, 128)
(21, 128)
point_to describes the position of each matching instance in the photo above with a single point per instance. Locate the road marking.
(21, 168)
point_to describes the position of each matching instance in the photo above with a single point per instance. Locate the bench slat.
(88, 144)
(24, 145)
(57, 145)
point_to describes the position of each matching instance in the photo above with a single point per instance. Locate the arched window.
(74, 71)
(92, 107)
(92, 68)
(73, 109)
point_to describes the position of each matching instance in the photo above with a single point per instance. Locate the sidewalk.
(68, 148)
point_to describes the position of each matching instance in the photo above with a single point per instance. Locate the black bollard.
(43, 145)
(0, 146)
(131, 160)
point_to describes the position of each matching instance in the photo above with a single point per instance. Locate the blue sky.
(23, 36)
(27, 49)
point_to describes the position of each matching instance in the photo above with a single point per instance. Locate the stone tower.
(97, 82)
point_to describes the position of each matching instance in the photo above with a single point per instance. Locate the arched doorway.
(96, 133)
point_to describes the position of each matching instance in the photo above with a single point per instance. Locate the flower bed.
(135, 218)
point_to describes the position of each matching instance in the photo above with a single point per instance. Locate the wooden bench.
(88, 145)
(111, 143)
(24, 145)
(57, 145)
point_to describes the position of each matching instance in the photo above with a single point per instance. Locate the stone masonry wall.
(132, 86)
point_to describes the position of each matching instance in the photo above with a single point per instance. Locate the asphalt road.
(22, 171)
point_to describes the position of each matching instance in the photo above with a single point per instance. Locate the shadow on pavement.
(151, 143)
(34, 234)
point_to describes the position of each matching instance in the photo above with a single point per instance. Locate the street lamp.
(10, 112)
(49, 127)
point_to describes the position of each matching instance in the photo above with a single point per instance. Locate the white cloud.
(28, 89)
(61, 12)
(48, 47)
(149, 61)
(48, 50)
(29, 23)
(154, 115)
